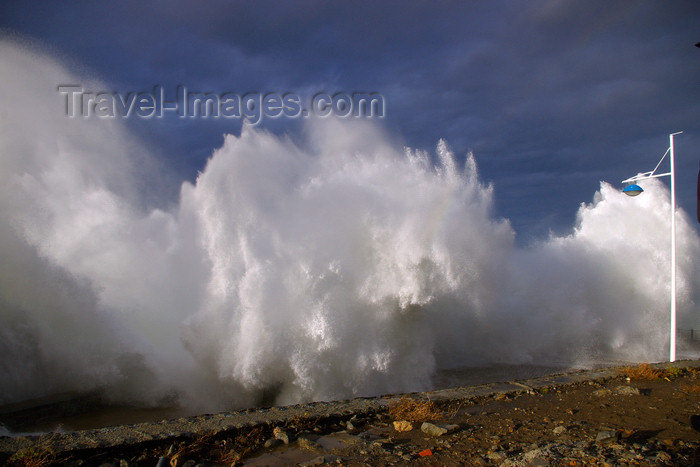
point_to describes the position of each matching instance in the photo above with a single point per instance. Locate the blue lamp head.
(632, 190)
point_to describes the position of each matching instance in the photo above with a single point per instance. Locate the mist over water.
(338, 266)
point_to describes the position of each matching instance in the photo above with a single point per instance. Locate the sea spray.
(334, 266)
(324, 264)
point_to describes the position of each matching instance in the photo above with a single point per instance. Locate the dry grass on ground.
(414, 410)
(644, 371)
(32, 457)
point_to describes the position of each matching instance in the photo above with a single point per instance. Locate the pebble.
(273, 443)
(626, 391)
(306, 443)
(451, 428)
(607, 436)
(402, 426)
(281, 435)
(432, 430)
(533, 454)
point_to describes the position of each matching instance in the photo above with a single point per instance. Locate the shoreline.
(160, 435)
(71, 412)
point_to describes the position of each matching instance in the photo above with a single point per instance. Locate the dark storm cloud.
(547, 93)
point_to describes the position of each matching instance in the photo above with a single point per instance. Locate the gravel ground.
(606, 421)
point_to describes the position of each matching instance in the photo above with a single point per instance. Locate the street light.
(634, 190)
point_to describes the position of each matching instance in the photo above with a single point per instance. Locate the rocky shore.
(612, 416)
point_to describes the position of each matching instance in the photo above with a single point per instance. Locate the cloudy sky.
(551, 96)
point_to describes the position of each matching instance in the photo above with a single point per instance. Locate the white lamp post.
(634, 190)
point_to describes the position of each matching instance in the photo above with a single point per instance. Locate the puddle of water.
(337, 441)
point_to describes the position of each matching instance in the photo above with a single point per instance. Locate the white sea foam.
(338, 266)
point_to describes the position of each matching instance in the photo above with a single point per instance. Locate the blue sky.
(551, 96)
